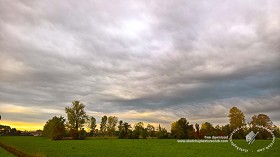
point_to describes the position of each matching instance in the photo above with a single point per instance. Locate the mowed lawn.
(41, 146)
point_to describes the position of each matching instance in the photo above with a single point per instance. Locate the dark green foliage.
(161, 133)
(122, 134)
(138, 130)
(124, 130)
(91, 133)
(129, 134)
(144, 133)
(55, 128)
(276, 131)
(226, 129)
(7, 130)
(135, 134)
(197, 130)
(82, 134)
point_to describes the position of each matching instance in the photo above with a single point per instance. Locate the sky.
(149, 61)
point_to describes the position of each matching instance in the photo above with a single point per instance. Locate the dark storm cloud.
(179, 57)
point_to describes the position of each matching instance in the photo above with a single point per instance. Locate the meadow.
(4, 153)
(40, 146)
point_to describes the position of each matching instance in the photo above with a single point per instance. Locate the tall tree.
(120, 126)
(197, 129)
(139, 126)
(236, 118)
(111, 126)
(126, 127)
(150, 129)
(77, 117)
(161, 132)
(138, 129)
(103, 125)
(92, 125)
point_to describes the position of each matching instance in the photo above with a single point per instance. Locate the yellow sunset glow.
(23, 125)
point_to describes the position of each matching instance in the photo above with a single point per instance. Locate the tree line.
(77, 120)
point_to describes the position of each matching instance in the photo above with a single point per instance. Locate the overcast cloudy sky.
(151, 61)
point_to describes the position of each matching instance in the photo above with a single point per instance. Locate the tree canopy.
(111, 126)
(103, 124)
(77, 117)
(236, 118)
(181, 129)
(262, 120)
(55, 128)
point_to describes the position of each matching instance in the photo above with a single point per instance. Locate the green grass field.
(3, 152)
(41, 146)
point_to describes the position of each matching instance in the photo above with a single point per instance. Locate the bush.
(91, 133)
(122, 134)
(82, 134)
(78, 135)
(135, 134)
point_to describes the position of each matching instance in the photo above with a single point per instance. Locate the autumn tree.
(262, 120)
(207, 129)
(77, 117)
(236, 118)
(182, 129)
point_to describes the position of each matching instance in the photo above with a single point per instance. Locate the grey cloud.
(141, 56)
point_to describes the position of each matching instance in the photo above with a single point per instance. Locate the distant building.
(37, 133)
